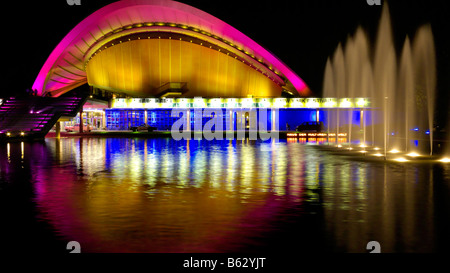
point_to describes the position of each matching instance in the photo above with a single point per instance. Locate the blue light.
(312, 116)
(427, 132)
(392, 134)
(416, 143)
(416, 129)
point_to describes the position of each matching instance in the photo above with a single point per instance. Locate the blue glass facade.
(123, 119)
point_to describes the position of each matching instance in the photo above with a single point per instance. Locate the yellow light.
(413, 154)
(363, 152)
(135, 103)
(280, 102)
(376, 148)
(138, 78)
(339, 146)
(394, 151)
(297, 103)
(265, 103)
(312, 103)
(216, 103)
(401, 159)
(362, 146)
(231, 103)
(345, 103)
(445, 160)
(151, 103)
(350, 148)
(361, 103)
(184, 103)
(22, 133)
(248, 102)
(330, 103)
(199, 102)
(167, 102)
(377, 154)
(8, 134)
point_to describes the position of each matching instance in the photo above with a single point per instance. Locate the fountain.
(406, 83)
(402, 90)
(424, 73)
(328, 84)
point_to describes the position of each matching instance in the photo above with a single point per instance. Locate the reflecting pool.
(161, 195)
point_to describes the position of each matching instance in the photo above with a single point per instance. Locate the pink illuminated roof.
(65, 67)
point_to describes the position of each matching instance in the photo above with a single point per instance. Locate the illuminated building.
(145, 48)
(156, 55)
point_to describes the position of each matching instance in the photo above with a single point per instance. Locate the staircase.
(33, 117)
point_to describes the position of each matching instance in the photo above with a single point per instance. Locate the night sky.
(302, 33)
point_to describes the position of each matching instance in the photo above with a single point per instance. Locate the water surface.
(161, 195)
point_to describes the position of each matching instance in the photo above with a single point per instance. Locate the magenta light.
(67, 58)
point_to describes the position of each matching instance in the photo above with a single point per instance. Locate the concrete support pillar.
(81, 121)
(274, 126)
(104, 119)
(230, 120)
(188, 119)
(58, 129)
(145, 117)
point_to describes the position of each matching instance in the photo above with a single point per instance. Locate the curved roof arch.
(65, 68)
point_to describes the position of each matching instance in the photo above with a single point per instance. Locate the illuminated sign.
(199, 102)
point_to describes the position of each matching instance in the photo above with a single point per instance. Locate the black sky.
(302, 33)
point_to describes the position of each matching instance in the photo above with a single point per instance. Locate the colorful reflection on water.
(160, 195)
